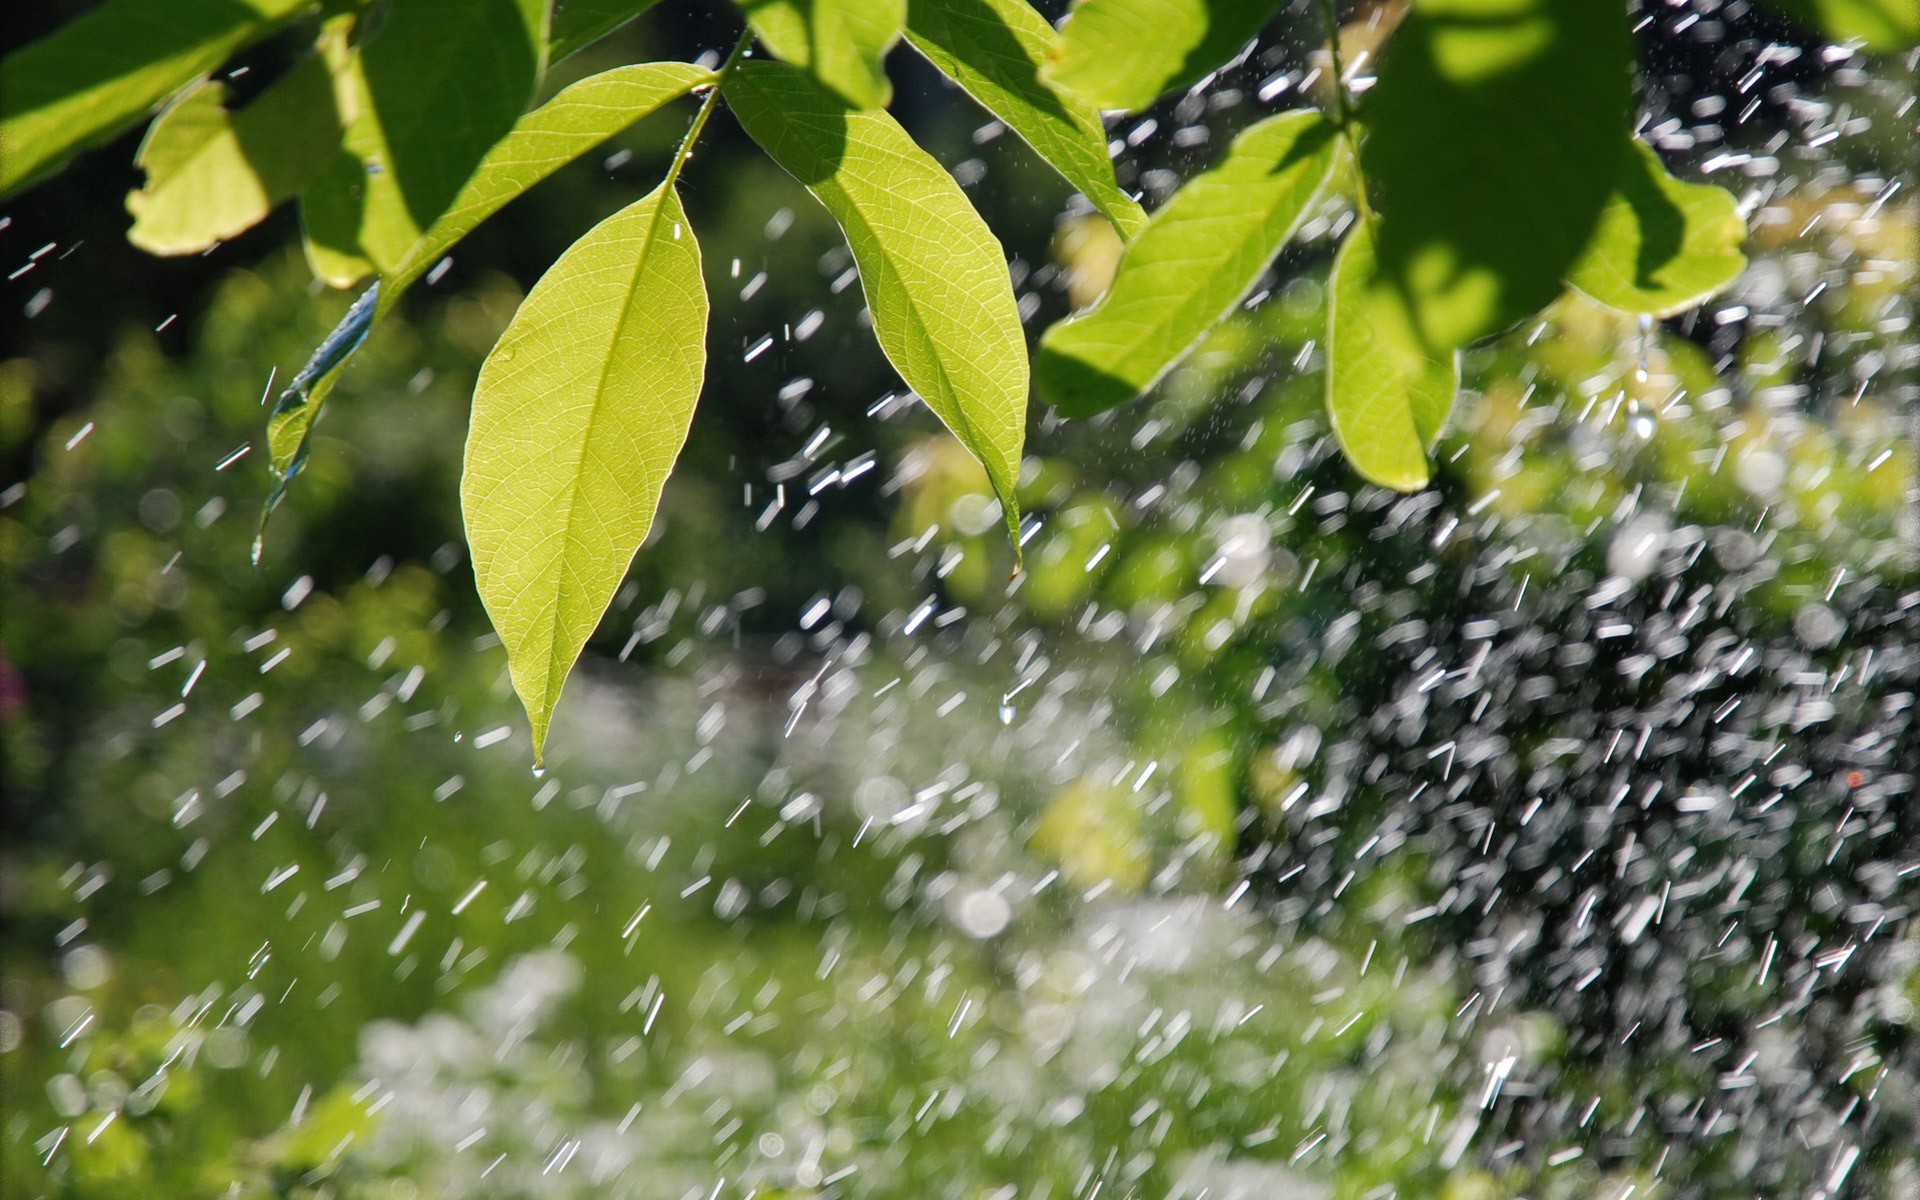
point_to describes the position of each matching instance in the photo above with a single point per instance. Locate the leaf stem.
(1342, 111)
(1331, 9)
(707, 106)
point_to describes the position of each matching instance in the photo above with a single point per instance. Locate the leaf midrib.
(556, 668)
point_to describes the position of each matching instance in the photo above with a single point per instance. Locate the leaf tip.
(540, 721)
(1401, 479)
(1014, 532)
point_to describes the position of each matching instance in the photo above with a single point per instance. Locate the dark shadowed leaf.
(578, 24)
(1493, 141)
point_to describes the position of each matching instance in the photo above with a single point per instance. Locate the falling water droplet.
(1006, 713)
(1646, 344)
(1639, 420)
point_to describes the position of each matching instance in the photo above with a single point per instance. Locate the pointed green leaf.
(105, 70)
(580, 412)
(1886, 26)
(994, 49)
(430, 93)
(213, 174)
(578, 24)
(1199, 257)
(842, 43)
(1125, 54)
(1662, 246)
(576, 120)
(1387, 394)
(1493, 142)
(935, 278)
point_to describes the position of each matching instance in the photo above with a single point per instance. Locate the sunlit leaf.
(842, 43)
(1387, 394)
(112, 66)
(1887, 26)
(580, 412)
(1198, 258)
(213, 173)
(578, 24)
(994, 49)
(576, 120)
(935, 278)
(1125, 54)
(1493, 141)
(435, 87)
(1662, 245)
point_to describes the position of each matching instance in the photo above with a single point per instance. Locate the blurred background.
(1551, 832)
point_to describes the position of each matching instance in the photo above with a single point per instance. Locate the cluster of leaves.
(1492, 165)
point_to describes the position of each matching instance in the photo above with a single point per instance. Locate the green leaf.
(331, 215)
(436, 86)
(1493, 143)
(1125, 54)
(328, 231)
(580, 412)
(842, 43)
(213, 173)
(105, 70)
(578, 24)
(1885, 26)
(1662, 246)
(935, 278)
(576, 120)
(1199, 257)
(994, 49)
(1387, 394)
